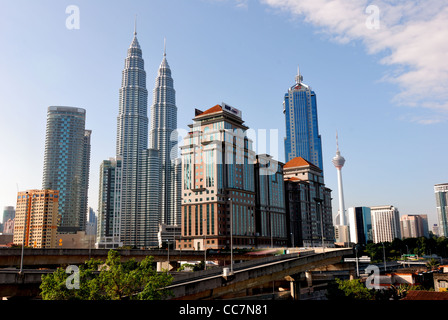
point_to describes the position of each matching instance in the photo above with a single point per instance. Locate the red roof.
(214, 109)
(298, 162)
(425, 295)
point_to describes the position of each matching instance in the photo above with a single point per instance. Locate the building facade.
(109, 205)
(66, 164)
(8, 213)
(414, 226)
(140, 192)
(385, 223)
(360, 223)
(218, 187)
(8, 226)
(302, 131)
(308, 201)
(37, 218)
(270, 206)
(132, 138)
(163, 137)
(85, 180)
(441, 193)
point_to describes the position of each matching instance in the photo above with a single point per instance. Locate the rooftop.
(299, 162)
(213, 109)
(425, 295)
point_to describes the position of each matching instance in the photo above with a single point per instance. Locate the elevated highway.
(214, 283)
(207, 284)
(11, 257)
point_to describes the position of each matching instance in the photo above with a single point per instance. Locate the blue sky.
(382, 89)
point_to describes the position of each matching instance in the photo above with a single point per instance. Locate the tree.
(350, 290)
(113, 280)
(432, 264)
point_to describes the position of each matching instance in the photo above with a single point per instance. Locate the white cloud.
(412, 37)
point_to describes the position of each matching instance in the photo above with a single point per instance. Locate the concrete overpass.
(213, 284)
(25, 284)
(10, 257)
(207, 284)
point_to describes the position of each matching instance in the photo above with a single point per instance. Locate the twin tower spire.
(135, 36)
(149, 187)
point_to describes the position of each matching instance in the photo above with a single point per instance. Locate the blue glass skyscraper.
(66, 164)
(302, 131)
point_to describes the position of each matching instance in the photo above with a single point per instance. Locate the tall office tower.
(109, 205)
(217, 181)
(147, 226)
(360, 223)
(414, 226)
(441, 192)
(270, 207)
(385, 223)
(36, 218)
(8, 213)
(66, 162)
(302, 131)
(342, 230)
(178, 190)
(139, 198)
(161, 137)
(308, 201)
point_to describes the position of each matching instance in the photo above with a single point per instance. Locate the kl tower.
(342, 234)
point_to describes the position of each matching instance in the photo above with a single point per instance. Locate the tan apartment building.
(36, 218)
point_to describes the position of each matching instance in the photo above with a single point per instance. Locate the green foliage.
(113, 280)
(356, 290)
(432, 264)
(349, 290)
(395, 249)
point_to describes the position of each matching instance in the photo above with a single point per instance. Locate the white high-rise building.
(385, 223)
(441, 192)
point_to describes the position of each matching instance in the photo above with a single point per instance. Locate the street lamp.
(272, 228)
(319, 205)
(168, 242)
(357, 266)
(384, 256)
(231, 234)
(205, 245)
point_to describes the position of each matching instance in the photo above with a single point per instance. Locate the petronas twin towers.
(145, 186)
